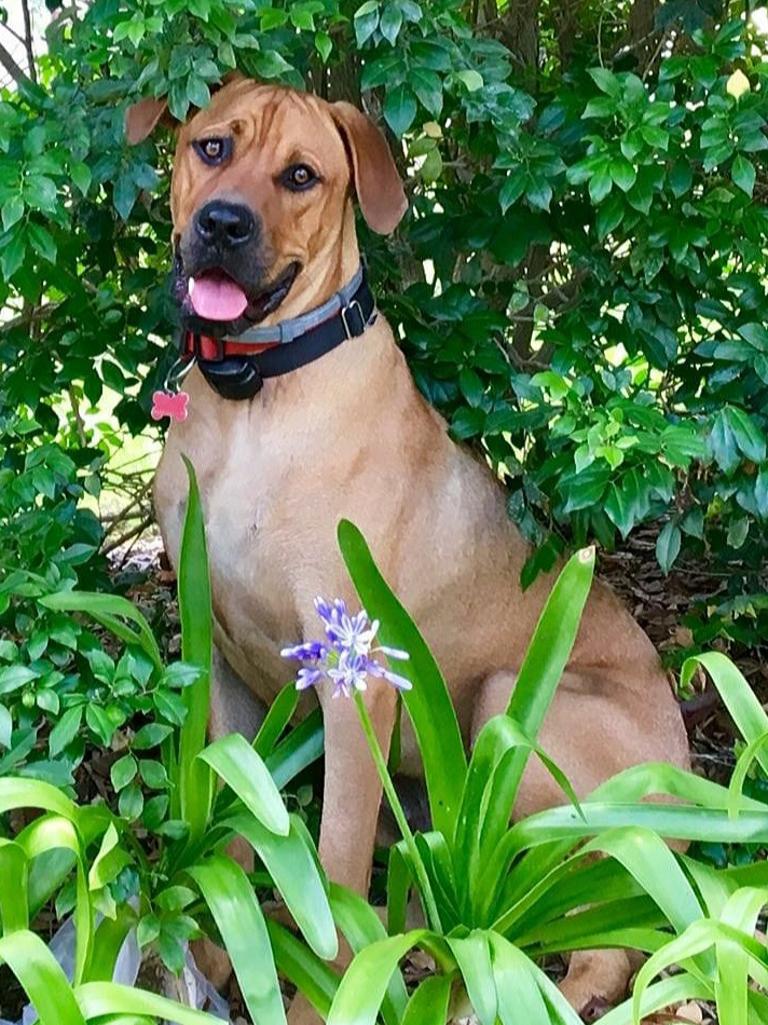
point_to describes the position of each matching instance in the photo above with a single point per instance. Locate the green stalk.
(425, 887)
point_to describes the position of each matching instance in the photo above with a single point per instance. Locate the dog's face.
(261, 182)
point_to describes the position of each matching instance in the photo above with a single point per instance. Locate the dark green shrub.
(580, 281)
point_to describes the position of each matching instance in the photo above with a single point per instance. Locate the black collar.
(236, 367)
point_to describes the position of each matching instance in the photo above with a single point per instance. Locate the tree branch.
(28, 40)
(13, 69)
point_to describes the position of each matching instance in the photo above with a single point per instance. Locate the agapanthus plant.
(346, 658)
(346, 655)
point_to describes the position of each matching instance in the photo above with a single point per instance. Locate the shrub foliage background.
(580, 281)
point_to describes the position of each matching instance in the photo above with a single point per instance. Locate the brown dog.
(262, 192)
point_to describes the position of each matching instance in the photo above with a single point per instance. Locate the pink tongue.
(217, 298)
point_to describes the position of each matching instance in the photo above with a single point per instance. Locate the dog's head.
(261, 184)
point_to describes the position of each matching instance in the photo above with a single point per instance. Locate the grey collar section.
(288, 330)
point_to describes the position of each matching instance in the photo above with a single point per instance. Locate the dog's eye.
(213, 151)
(298, 177)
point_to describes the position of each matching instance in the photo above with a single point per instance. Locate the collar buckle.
(348, 313)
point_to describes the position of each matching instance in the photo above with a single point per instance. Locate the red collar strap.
(236, 367)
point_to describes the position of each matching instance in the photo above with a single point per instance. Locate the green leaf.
(194, 787)
(6, 727)
(361, 926)
(391, 23)
(519, 996)
(124, 195)
(748, 437)
(276, 720)
(240, 922)
(399, 109)
(108, 609)
(237, 763)
(153, 774)
(739, 698)
(430, 1002)
(42, 242)
(471, 79)
(473, 957)
(102, 999)
(668, 545)
(323, 45)
(428, 702)
(151, 735)
(311, 976)
(605, 80)
(743, 174)
(12, 211)
(80, 173)
(623, 174)
(14, 898)
(361, 991)
(41, 978)
(14, 677)
(600, 184)
(291, 862)
(123, 772)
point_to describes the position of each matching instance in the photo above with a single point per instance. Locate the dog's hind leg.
(600, 722)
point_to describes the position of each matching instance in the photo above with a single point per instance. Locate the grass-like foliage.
(497, 896)
(189, 877)
(506, 894)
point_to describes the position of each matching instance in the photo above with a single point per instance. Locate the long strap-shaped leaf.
(430, 1003)
(14, 897)
(361, 926)
(428, 702)
(667, 993)
(41, 978)
(54, 832)
(233, 758)
(547, 656)
(739, 698)
(240, 921)
(105, 609)
(741, 911)
(473, 956)
(361, 990)
(34, 793)
(100, 999)
(695, 940)
(195, 782)
(292, 865)
(312, 976)
(518, 994)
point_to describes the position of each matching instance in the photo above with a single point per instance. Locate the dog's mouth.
(215, 296)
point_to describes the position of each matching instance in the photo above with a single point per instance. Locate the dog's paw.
(596, 981)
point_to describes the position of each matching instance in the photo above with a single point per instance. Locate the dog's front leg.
(351, 801)
(352, 792)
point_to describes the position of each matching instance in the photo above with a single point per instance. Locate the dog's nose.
(225, 224)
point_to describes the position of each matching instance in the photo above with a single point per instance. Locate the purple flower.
(346, 656)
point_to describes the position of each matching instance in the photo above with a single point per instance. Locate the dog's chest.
(262, 528)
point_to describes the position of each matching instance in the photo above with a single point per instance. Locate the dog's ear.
(142, 118)
(377, 182)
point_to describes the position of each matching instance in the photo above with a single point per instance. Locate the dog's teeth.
(191, 286)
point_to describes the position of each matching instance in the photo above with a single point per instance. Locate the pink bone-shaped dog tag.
(170, 404)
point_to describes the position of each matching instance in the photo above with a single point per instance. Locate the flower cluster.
(345, 656)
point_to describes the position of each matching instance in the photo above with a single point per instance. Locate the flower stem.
(422, 879)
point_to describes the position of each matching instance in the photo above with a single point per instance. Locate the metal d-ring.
(178, 372)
